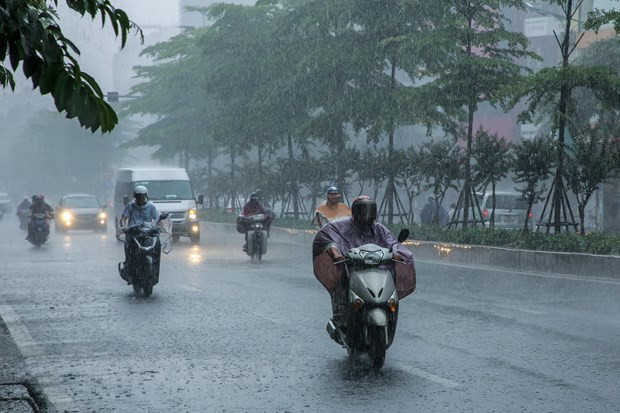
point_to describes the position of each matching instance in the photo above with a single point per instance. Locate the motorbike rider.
(331, 208)
(335, 238)
(139, 210)
(252, 207)
(22, 212)
(38, 206)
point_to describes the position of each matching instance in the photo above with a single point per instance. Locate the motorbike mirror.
(403, 235)
(201, 199)
(164, 215)
(125, 199)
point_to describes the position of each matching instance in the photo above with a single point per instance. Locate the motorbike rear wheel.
(136, 288)
(377, 347)
(148, 290)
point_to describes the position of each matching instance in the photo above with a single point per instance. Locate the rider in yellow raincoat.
(332, 209)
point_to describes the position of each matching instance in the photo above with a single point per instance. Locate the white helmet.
(140, 190)
(140, 194)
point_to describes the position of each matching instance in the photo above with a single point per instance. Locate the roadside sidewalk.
(19, 393)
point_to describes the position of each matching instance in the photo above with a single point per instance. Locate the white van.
(169, 189)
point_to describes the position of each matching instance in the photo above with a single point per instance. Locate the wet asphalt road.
(221, 334)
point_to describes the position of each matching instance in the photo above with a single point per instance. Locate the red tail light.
(530, 215)
(485, 212)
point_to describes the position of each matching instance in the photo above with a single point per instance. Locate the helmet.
(254, 196)
(364, 210)
(332, 190)
(140, 193)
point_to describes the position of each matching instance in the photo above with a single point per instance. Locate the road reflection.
(194, 256)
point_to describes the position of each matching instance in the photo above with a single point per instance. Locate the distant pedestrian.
(432, 213)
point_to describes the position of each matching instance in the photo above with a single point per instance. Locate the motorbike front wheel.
(148, 290)
(377, 346)
(136, 288)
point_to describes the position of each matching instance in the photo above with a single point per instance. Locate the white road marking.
(30, 348)
(599, 280)
(519, 309)
(190, 288)
(264, 317)
(451, 384)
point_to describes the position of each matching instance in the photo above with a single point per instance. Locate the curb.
(543, 262)
(19, 392)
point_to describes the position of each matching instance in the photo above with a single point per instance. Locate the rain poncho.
(345, 235)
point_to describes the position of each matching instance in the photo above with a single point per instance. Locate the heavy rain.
(309, 206)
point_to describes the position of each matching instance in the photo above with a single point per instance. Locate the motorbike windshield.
(345, 235)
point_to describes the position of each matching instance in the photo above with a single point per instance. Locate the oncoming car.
(80, 211)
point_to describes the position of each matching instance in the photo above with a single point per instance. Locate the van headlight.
(192, 214)
(102, 215)
(67, 216)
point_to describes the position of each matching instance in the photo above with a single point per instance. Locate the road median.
(545, 262)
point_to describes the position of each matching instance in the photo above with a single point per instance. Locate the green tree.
(472, 57)
(533, 162)
(172, 90)
(31, 35)
(493, 159)
(441, 168)
(598, 18)
(591, 160)
(554, 87)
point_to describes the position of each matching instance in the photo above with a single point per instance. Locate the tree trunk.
(471, 108)
(340, 149)
(391, 187)
(293, 189)
(233, 195)
(492, 221)
(582, 218)
(527, 217)
(565, 94)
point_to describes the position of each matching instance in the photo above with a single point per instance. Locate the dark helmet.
(364, 210)
(37, 198)
(254, 196)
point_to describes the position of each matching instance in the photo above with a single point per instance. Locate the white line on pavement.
(533, 274)
(264, 317)
(451, 384)
(519, 309)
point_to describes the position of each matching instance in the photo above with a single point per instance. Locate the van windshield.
(167, 190)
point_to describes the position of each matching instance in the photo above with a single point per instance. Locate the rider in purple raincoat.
(336, 238)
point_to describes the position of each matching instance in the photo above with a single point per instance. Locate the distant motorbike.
(256, 233)
(142, 273)
(40, 222)
(372, 302)
(22, 215)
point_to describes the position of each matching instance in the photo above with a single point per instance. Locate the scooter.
(142, 273)
(40, 228)
(256, 235)
(372, 302)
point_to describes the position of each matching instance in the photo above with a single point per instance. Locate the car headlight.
(192, 214)
(66, 216)
(102, 215)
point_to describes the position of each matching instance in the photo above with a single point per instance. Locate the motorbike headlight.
(102, 215)
(192, 214)
(67, 216)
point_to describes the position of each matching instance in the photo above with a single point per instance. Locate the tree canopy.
(31, 35)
